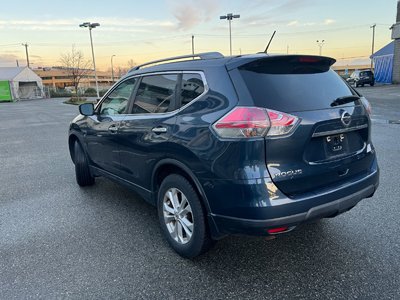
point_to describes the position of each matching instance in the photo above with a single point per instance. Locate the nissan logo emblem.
(345, 118)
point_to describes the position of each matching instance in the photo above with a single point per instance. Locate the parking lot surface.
(58, 240)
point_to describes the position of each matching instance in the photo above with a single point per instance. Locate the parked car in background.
(255, 144)
(359, 78)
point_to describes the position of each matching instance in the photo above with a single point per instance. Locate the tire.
(82, 171)
(372, 83)
(183, 220)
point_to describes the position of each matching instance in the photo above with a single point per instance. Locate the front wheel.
(182, 217)
(82, 171)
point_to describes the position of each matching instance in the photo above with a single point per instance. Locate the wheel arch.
(166, 167)
(71, 142)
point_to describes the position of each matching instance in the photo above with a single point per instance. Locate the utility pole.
(373, 43)
(230, 17)
(27, 55)
(193, 45)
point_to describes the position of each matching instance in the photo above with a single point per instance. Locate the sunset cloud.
(106, 24)
(329, 21)
(193, 12)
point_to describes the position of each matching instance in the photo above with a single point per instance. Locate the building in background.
(19, 84)
(346, 70)
(396, 55)
(60, 78)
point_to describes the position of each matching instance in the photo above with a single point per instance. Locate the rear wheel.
(182, 217)
(82, 171)
(372, 83)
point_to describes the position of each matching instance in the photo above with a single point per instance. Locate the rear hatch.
(330, 143)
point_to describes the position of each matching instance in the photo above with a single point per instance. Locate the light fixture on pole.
(91, 26)
(230, 17)
(112, 68)
(320, 45)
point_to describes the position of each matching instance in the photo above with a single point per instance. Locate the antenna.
(269, 43)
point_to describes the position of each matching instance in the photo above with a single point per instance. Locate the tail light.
(281, 123)
(366, 105)
(254, 122)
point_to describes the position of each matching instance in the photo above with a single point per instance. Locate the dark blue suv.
(255, 144)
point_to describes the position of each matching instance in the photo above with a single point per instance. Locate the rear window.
(366, 73)
(289, 87)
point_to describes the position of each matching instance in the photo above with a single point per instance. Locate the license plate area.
(336, 145)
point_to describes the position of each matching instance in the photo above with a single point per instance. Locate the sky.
(139, 31)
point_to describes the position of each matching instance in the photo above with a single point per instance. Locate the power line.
(6, 45)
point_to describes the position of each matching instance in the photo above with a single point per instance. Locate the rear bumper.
(227, 224)
(263, 213)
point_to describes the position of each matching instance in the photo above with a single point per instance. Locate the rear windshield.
(294, 89)
(366, 73)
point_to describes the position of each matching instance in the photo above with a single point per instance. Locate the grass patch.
(77, 101)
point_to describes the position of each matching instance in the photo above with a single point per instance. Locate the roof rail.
(205, 55)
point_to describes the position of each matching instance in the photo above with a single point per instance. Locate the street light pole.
(91, 26)
(373, 43)
(27, 55)
(230, 17)
(320, 44)
(193, 45)
(112, 68)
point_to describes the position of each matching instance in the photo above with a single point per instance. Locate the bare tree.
(121, 71)
(131, 63)
(76, 66)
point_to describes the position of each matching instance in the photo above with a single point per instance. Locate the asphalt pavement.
(60, 241)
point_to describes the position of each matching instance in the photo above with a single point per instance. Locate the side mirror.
(86, 109)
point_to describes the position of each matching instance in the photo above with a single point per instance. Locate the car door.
(102, 134)
(145, 131)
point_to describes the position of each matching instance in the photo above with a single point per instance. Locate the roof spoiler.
(283, 64)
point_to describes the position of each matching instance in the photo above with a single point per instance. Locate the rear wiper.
(344, 100)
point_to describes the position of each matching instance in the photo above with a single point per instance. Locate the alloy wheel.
(178, 216)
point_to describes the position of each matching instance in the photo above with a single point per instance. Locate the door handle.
(159, 130)
(113, 129)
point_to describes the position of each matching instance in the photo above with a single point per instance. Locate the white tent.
(24, 83)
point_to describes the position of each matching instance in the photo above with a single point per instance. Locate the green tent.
(19, 84)
(5, 91)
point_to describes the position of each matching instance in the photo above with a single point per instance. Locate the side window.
(117, 100)
(156, 94)
(192, 87)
